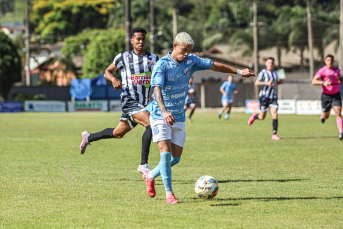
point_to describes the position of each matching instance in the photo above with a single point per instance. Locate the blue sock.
(165, 170)
(220, 112)
(156, 171)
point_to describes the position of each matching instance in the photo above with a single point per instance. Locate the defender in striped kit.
(267, 78)
(135, 67)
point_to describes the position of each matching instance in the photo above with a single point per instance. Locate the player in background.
(329, 77)
(267, 78)
(189, 102)
(136, 67)
(227, 89)
(170, 79)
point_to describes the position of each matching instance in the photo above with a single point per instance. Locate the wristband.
(323, 83)
(239, 72)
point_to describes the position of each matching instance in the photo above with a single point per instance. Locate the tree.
(101, 51)
(10, 71)
(6, 6)
(58, 18)
(298, 34)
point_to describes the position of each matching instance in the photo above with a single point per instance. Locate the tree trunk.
(255, 48)
(127, 24)
(174, 22)
(310, 39)
(302, 59)
(278, 48)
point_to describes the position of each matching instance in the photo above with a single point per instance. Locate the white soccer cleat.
(143, 168)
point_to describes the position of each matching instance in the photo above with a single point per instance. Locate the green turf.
(292, 183)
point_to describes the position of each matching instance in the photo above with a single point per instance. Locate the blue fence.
(63, 93)
(105, 93)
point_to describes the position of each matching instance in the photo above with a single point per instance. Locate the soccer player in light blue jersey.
(227, 89)
(169, 81)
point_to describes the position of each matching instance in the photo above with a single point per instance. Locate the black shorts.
(328, 101)
(267, 102)
(189, 101)
(130, 107)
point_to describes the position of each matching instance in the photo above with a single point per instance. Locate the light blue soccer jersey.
(228, 88)
(173, 78)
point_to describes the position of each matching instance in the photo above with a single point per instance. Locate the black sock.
(192, 111)
(146, 141)
(275, 124)
(256, 116)
(105, 134)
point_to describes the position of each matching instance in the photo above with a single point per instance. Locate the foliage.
(10, 70)
(101, 52)
(6, 6)
(77, 45)
(20, 96)
(58, 18)
(12, 11)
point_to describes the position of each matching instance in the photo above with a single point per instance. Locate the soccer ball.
(191, 91)
(206, 187)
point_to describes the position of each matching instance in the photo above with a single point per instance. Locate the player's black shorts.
(189, 101)
(328, 101)
(267, 102)
(130, 107)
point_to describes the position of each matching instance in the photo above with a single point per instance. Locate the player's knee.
(118, 135)
(175, 160)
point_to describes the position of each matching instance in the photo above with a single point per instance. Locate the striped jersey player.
(136, 75)
(267, 78)
(135, 67)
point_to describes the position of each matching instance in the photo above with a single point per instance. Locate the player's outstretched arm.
(109, 76)
(218, 67)
(167, 116)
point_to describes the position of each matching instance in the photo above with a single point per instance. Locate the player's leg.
(273, 111)
(161, 135)
(192, 107)
(339, 122)
(264, 104)
(225, 103)
(326, 107)
(143, 119)
(122, 128)
(337, 108)
(229, 110)
(175, 146)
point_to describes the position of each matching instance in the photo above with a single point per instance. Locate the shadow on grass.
(280, 198)
(271, 180)
(266, 199)
(310, 137)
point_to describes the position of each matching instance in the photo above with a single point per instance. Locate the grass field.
(292, 183)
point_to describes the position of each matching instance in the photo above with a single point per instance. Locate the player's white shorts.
(161, 131)
(226, 102)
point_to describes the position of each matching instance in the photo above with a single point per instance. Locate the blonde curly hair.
(184, 37)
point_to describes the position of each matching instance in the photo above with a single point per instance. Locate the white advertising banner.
(115, 106)
(44, 106)
(286, 106)
(309, 107)
(79, 106)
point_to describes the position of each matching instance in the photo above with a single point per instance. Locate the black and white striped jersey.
(136, 74)
(265, 76)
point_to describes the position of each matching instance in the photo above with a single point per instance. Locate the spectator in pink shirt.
(329, 77)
